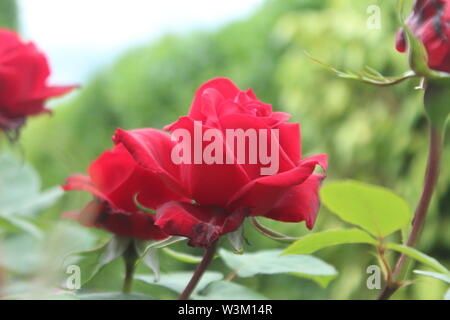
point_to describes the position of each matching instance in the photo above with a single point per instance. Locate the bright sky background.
(80, 36)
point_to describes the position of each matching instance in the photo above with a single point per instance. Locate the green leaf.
(418, 57)
(149, 258)
(370, 75)
(225, 290)
(181, 256)
(439, 276)
(375, 209)
(16, 224)
(20, 189)
(41, 201)
(113, 296)
(237, 240)
(447, 295)
(41, 294)
(272, 262)
(313, 242)
(59, 296)
(419, 256)
(17, 182)
(91, 262)
(177, 281)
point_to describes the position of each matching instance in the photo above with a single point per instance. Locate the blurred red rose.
(114, 179)
(430, 22)
(224, 194)
(23, 81)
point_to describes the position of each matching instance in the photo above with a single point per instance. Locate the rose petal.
(117, 175)
(247, 122)
(298, 203)
(152, 149)
(261, 194)
(205, 179)
(224, 86)
(82, 182)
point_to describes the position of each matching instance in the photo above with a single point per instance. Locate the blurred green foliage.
(376, 135)
(8, 14)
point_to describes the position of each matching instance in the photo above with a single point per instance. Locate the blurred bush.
(377, 135)
(8, 14)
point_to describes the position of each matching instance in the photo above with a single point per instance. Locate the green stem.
(387, 267)
(130, 257)
(201, 268)
(431, 178)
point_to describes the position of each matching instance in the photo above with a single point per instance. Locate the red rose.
(114, 179)
(225, 193)
(430, 22)
(23, 75)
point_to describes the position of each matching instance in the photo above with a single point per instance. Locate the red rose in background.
(224, 194)
(430, 22)
(23, 81)
(114, 179)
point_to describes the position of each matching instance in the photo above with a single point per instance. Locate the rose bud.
(24, 71)
(430, 23)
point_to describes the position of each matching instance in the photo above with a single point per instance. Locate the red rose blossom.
(224, 194)
(430, 22)
(114, 179)
(23, 81)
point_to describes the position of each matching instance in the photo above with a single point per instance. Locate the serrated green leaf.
(375, 209)
(272, 262)
(439, 276)
(313, 242)
(419, 256)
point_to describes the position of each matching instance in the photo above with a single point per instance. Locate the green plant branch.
(431, 178)
(385, 263)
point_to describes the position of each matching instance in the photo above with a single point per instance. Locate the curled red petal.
(225, 87)
(298, 203)
(82, 182)
(261, 194)
(152, 149)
